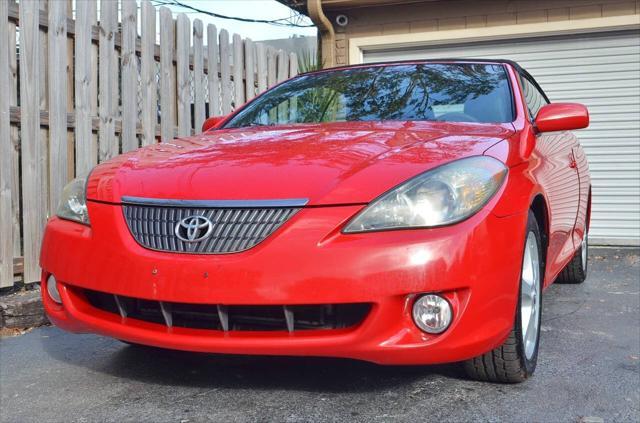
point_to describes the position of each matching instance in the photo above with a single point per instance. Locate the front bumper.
(475, 263)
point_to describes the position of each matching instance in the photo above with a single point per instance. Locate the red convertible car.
(399, 213)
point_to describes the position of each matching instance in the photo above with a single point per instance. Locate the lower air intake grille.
(187, 227)
(231, 317)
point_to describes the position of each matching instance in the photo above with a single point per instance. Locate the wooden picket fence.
(78, 91)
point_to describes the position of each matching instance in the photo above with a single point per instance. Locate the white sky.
(253, 9)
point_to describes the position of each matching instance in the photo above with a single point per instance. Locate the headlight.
(440, 196)
(73, 203)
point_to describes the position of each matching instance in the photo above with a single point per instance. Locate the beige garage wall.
(464, 14)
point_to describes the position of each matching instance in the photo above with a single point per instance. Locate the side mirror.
(213, 122)
(562, 117)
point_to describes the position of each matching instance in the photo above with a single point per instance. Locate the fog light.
(432, 313)
(52, 289)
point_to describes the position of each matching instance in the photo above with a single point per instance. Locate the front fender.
(521, 186)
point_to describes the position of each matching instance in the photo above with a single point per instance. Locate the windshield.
(425, 92)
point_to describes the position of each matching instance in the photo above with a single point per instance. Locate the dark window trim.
(512, 93)
(523, 74)
(531, 79)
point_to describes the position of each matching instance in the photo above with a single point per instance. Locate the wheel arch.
(588, 222)
(540, 210)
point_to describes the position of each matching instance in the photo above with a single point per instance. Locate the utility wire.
(277, 22)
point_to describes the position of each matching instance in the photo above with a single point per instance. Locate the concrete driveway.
(588, 370)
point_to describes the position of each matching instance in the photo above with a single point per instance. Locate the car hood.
(337, 163)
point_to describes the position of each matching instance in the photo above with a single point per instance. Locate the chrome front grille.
(234, 225)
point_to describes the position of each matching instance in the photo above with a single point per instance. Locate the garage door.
(600, 71)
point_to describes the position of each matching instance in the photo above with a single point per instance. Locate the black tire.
(508, 362)
(576, 271)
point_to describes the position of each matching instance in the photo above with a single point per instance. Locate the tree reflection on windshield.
(444, 92)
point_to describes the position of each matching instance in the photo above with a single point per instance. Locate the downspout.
(327, 33)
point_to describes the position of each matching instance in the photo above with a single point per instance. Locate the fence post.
(43, 72)
(249, 65)
(86, 147)
(148, 73)
(198, 76)
(16, 211)
(225, 72)
(129, 75)
(34, 186)
(167, 74)
(293, 71)
(261, 62)
(293, 65)
(108, 143)
(283, 66)
(212, 72)
(238, 65)
(71, 153)
(271, 67)
(6, 156)
(57, 63)
(282, 72)
(183, 43)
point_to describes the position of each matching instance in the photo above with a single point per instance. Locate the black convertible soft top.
(440, 60)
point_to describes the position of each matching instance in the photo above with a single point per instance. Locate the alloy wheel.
(530, 296)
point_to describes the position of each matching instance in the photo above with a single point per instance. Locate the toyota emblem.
(194, 228)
